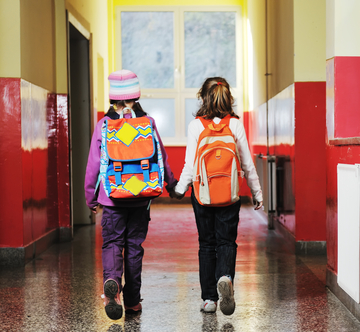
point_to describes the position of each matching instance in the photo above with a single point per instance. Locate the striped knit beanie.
(124, 85)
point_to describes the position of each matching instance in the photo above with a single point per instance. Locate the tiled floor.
(274, 289)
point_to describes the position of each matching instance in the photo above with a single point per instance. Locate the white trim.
(78, 26)
(348, 182)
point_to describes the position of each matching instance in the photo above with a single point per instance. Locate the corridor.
(274, 289)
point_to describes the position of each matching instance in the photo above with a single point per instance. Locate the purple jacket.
(93, 170)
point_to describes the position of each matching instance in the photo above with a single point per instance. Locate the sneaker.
(113, 307)
(226, 295)
(133, 310)
(208, 306)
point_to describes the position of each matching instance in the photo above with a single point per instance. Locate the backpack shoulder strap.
(226, 120)
(205, 122)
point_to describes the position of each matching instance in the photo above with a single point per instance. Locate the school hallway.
(275, 290)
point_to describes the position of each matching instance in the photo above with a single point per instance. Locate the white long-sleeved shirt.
(237, 128)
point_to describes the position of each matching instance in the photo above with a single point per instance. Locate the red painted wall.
(58, 176)
(176, 158)
(52, 195)
(11, 203)
(297, 124)
(37, 108)
(34, 169)
(347, 96)
(63, 161)
(345, 93)
(245, 189)
(310, 161)
(281, 145)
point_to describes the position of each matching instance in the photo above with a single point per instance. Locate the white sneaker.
(226, 295)
(208, 306)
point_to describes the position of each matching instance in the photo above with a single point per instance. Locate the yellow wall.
(343, 28)
(280, 45)
(280, 33)
(296, 45)
(61, 48)
(310, 40)
(101, 85)
(38, 43)
(255, 46)
(93, 16)
(33, 42)
(10, 38)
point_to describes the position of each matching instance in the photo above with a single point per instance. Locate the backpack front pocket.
(219, 183)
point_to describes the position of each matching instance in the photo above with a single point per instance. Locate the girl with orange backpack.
(217, 154)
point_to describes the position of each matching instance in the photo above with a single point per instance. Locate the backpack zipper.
(218, 175)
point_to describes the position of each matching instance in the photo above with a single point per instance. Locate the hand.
(258, 205)
(179, 196)
(174, 194)
(94, 209)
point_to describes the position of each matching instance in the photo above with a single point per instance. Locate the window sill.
(345, 141)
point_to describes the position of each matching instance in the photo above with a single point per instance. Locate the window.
(173, 50)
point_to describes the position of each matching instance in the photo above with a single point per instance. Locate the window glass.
(147, 47)
(173, 49)
(163, 112)
(210, 47)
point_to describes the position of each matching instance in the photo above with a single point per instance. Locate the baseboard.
(300, 247)
(23, 255)
(65, 234)
(349, 303)
(12, 256)
(310, 248)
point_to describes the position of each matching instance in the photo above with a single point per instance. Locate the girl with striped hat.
(124, 222)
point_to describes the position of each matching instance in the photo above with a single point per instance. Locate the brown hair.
(216, 97)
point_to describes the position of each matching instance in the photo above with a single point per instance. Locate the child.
(124, 222)
(217, 226)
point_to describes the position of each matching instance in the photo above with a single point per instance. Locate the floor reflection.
(274, 289)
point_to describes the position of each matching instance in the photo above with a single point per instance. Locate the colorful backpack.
(217, 171)
(131, 164)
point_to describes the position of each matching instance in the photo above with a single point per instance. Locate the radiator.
(348, 181)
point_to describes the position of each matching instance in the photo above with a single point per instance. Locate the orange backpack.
(217, 171)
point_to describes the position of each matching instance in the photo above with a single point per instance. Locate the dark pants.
(123, 231)
(217, 228)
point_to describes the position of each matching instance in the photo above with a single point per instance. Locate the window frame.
(179, 93)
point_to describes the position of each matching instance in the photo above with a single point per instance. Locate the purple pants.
(124, 230)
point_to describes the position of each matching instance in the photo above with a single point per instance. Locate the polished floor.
(274, 289)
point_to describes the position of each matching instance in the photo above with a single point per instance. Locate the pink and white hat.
(124, 85)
